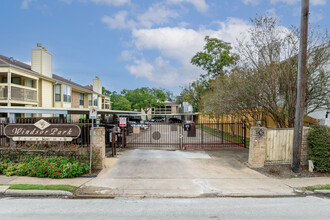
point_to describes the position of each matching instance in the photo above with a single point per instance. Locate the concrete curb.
(36, 193)
(324, 192)
(302, 191)
(229, 195)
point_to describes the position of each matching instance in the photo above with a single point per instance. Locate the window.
(16, 80)
(95, 100)
(90, 101)
(29, 83)
(81, 101)
(66, 93)
(57, 93)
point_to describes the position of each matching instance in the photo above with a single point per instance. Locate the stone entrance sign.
(42, 131)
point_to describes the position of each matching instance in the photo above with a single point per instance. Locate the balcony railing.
(23, 94)
(3, 92)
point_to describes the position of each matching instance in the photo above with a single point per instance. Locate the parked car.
(157, 119)
(175, 120)
(132, 120)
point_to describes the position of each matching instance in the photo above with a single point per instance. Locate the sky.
(129, 43)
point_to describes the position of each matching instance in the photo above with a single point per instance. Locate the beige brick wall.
(75, 99)
(257, 149)
(99, 145)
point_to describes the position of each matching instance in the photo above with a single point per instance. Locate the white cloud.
(200, 5)
(178, 44)
(25, 4)
(316, 17)
(291, 2)
(252, 2)
(127, 55)
(271, 12)
(318, 2)
(118, 21)
(142, 69)
(156, 14)
(105, 2)
(112, 2)
(161, 72)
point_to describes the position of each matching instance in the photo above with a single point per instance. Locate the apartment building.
(36, 85)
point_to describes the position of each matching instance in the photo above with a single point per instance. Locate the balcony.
(18, 93)
(3, 91)
(23, 93)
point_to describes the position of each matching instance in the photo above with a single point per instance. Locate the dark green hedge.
(319, 140)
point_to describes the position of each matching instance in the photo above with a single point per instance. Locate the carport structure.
(57, 111)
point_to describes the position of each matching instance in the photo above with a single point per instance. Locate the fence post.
(244, 134)
(123, 138)
(113, 144)
(221, 133)
(202, 134)
(12, 120)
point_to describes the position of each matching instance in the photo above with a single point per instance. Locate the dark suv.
(175, 121)
(157, 119)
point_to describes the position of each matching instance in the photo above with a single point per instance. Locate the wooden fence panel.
(279, 145)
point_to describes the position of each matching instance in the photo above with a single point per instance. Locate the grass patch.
(43, 187)
(225, 135)
(322, 187)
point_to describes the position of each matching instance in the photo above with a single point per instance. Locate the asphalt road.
(136, 208)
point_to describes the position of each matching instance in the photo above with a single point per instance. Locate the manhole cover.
(156, 135)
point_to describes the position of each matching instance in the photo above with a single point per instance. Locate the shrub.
(53, 167)
(319, 141)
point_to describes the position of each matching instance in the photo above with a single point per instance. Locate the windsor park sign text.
(42, 131)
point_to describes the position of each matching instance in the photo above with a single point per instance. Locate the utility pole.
(301, 87)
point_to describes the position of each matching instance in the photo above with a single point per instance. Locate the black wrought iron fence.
(188, 135)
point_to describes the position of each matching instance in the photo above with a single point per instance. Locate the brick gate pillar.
(99, 145)
(257, 149)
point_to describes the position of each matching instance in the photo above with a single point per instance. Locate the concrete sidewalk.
(5, 182)
(79, 181)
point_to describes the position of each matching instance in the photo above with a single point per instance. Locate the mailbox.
(187, 127)
(190, 127)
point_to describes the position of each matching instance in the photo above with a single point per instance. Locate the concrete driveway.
(163, 173)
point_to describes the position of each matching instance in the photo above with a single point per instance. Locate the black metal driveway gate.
(187, 136)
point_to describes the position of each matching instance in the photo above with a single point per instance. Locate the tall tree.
(145, 98)
(265, 79)
(214, 58)
(119, 102)
(193, 93)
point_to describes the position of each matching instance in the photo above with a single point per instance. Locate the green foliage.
(145, 97)
(214, 57)
(106, 92)
(43, 187)
(53, 167)
(119, 102)
(21, 152)
(321, 187)
(319, 140)
(138, 98)
(194, 92)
